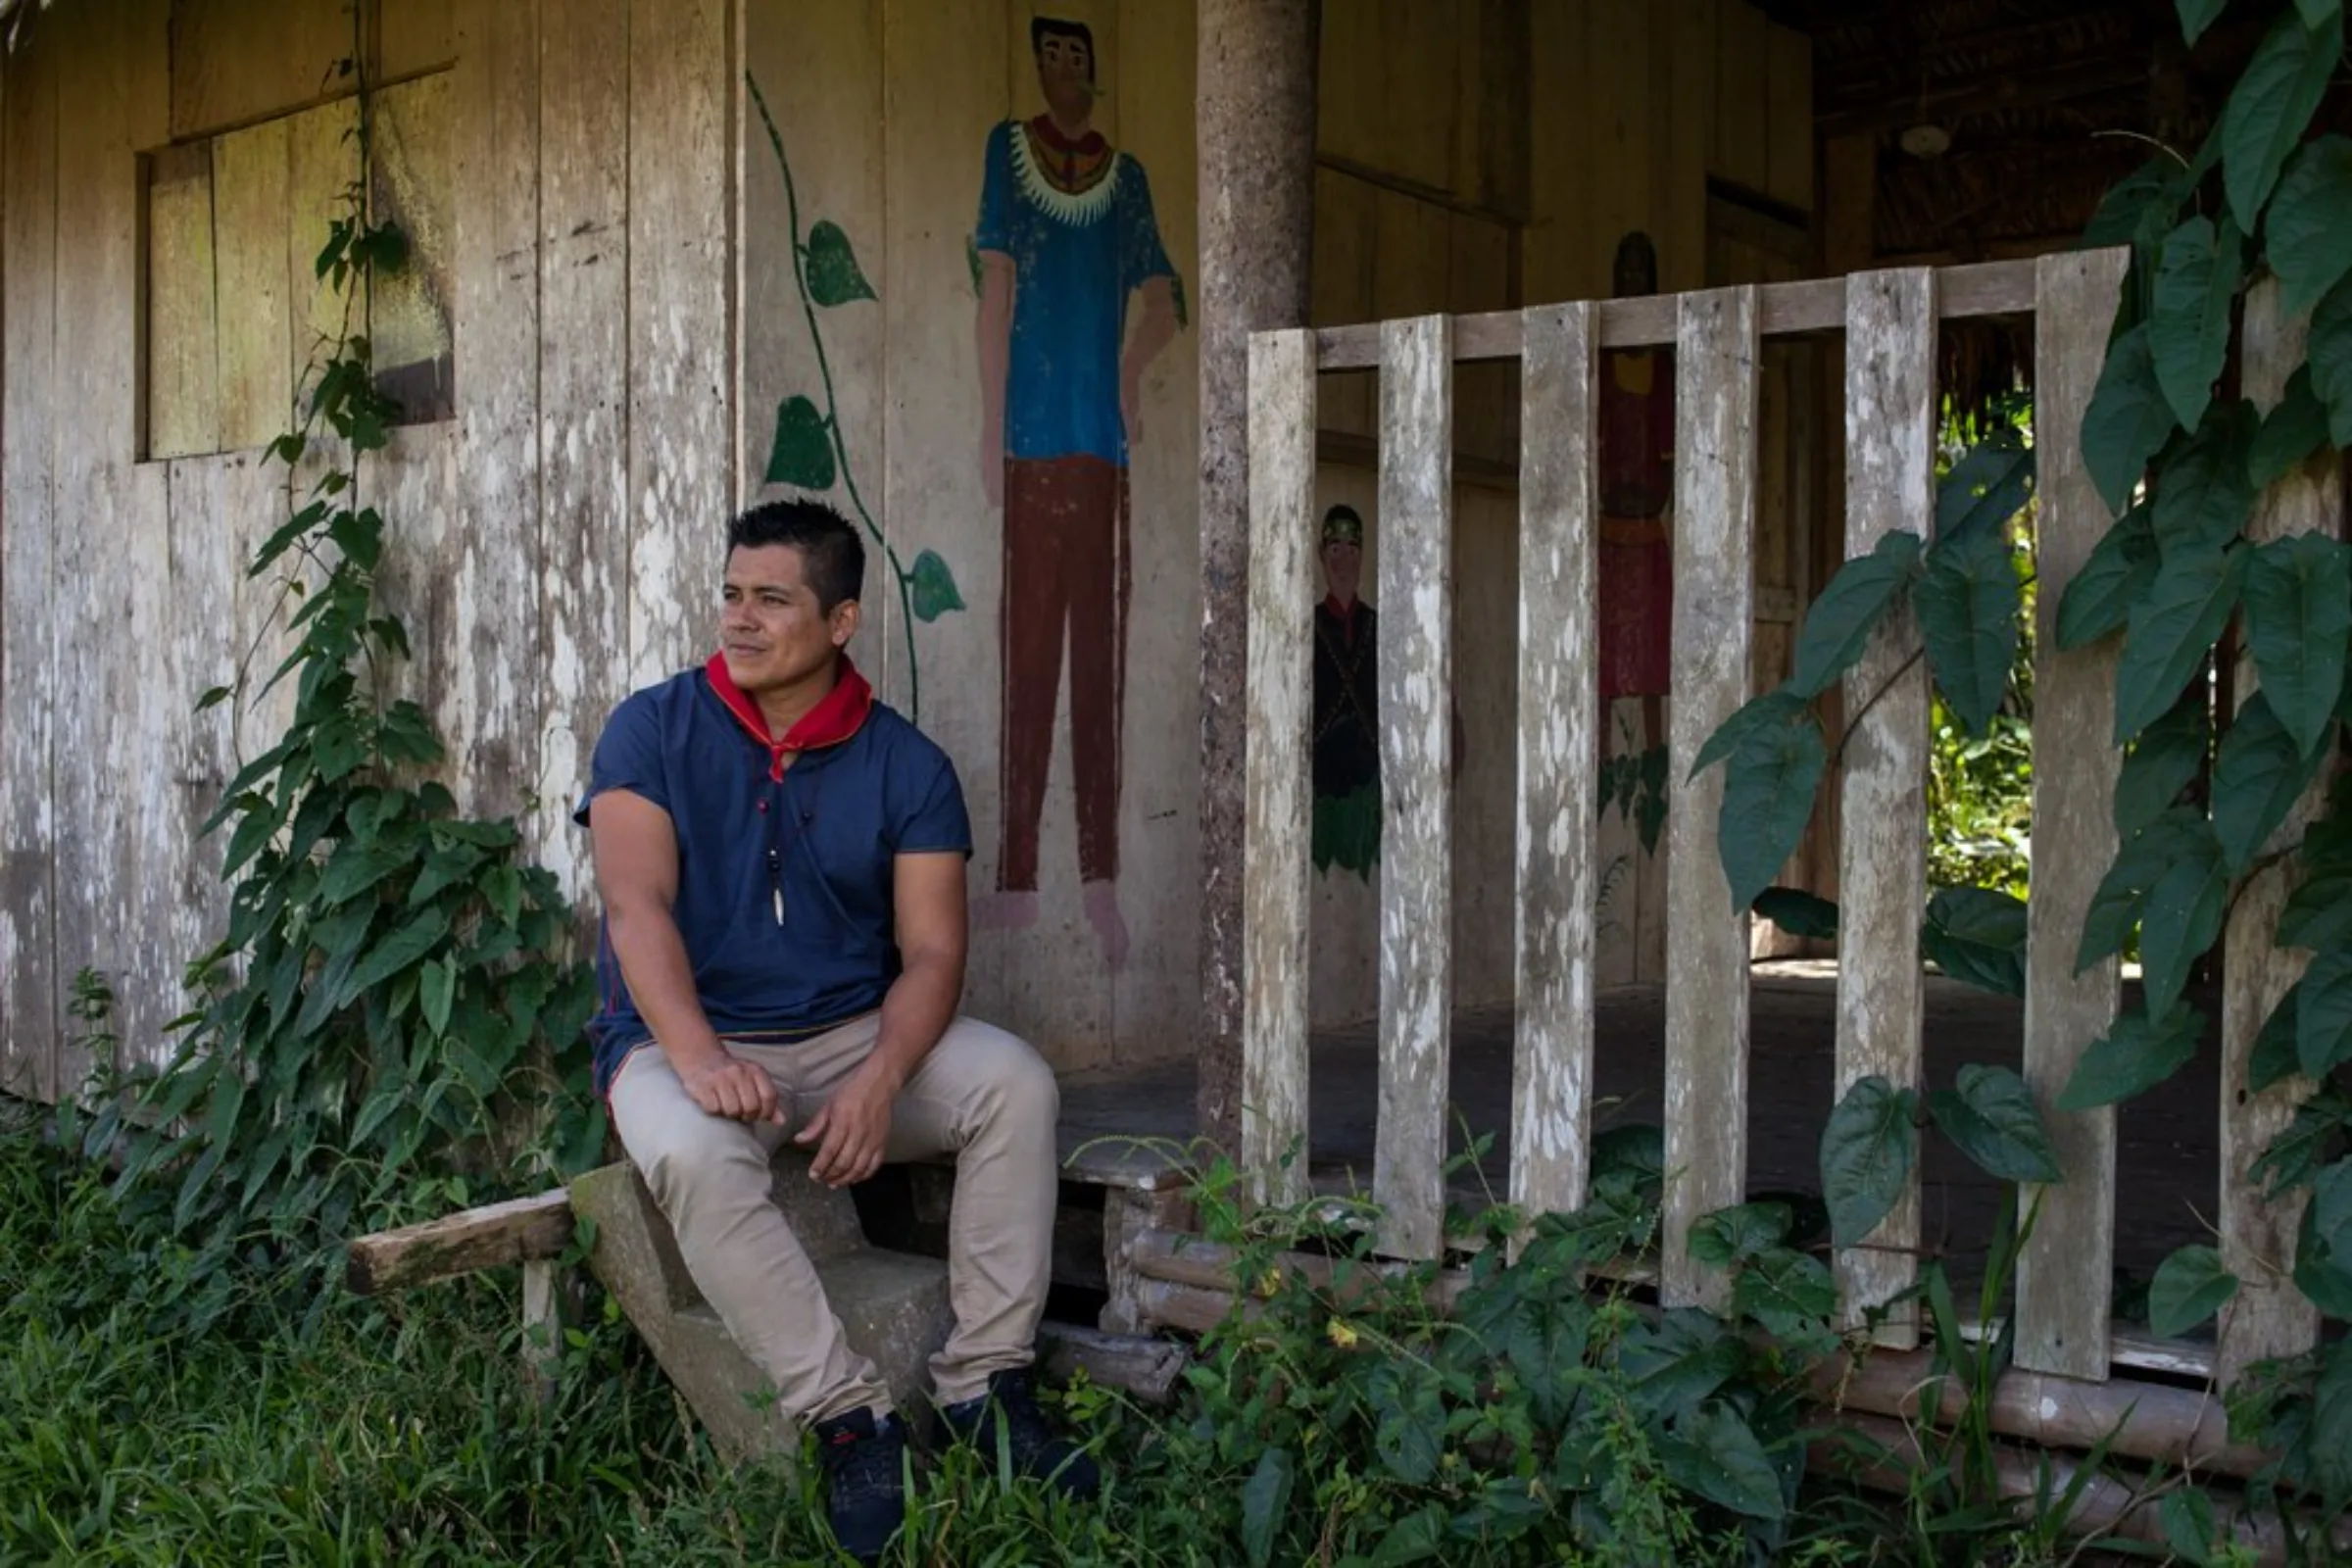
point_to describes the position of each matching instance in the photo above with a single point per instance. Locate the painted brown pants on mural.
(1067, 576)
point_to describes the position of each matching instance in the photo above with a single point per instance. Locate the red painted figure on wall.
(1067, 237)
(1637, 498)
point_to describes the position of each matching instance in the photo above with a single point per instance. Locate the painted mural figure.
(1347, 745)
(1636, 491)
(1066, 235)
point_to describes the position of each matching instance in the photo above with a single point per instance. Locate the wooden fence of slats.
(1889, 320)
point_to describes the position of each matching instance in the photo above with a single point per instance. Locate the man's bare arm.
(637, 876)
(1153, 333)
(992, 334)
(854, 1125)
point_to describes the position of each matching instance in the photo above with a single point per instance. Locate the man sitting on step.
(781, 859)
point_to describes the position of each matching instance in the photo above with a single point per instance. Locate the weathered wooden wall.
(168, 167)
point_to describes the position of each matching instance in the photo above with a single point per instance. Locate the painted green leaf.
(2324, 1248)
(2172, 631)
(1798, 913)
(801, 455)
(2330, 349)
(2203, 496)
(1992, 1119)
(2128, 420)
(2188, 331)
(2198, 14)
(2309, 231)
(2290, 432)
(2270, 106)
(2323, 1015)
(1733, 1235)
(2299, 626)
(2168, 754)
(1976, 936)
(2181, 918)
(1838, 625)
(1775, 706)
(1867, 1154)
(1265, 1497)
(2118, 573)
(2132, 1058)
(438, 988)
(932, 587)
(1968, 604)
(1767, 800)
(2274, 1060)
(1713, 1453)
(2189, 1287)
(2258, 775)
(1984, 490)
(833, 274)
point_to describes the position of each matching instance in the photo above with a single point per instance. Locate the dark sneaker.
(1036, 1451)
(866, 1480)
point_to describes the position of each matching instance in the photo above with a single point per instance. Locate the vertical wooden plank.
(2064, 1274)
(234, 61)
(253, 308)
(204, 571)
(322, 164)
(1883, 856)
(183, 407)
(1559, 719)
(1742, 138)
(1690, 133)
(1276, 822)
(28, 415)
(1346, 213)
(584, 243)
(492, 698)
(1416, 692)
(1788, 117)
(2270, 1317)
(1714, 623)
(1559, 164)
(682, 147)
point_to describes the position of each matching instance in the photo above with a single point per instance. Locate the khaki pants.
(981, 1094)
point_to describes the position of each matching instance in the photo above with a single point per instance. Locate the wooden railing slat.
(1716, 389)
(2064, 1280)
(2269, 1316)
(1882, 850)
(1552, 1066)
(1276, 824)
(1416, 687)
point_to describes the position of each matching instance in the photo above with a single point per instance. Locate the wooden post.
(1416, 850)
(1257, 136)
(1559, 724)
(2270, 1317)
(1883, 857)
(1716, 360)
(2063, 1282)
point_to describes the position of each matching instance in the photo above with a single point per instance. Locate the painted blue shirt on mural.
(1077, 222)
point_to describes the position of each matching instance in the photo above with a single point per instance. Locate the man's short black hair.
(832, 556)
(1043, 28)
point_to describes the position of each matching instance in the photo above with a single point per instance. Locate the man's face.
(1065, 70)
(770, 630)
(1342, 567)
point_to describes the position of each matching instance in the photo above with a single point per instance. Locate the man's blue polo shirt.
(784, 874)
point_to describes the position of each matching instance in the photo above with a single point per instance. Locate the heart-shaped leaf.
(2128, 420)
(2118, 573)
(1992, 1118)
(1837, 627)
(1767, 800)
(1976, 936)
(2273, 1060)
(2189, 1287)
(932, 587)
(2168, 754)
(1798, 913)
(2141, 863)
(1264, 1498)
(2181, 919)
(1984, 490)
(801, 455)
(2172, 632)
(2132, 1058)
(1968, 604)
(1733, 1235)
(2290, 432)
(2188, 331)
(2323, 1015)
(2258, 775)
(1868, 1152)
(2198, 14)
(834, 277)
(2204, 497)
(2323, 1246)
(2329, 357)
(2187, 1516)
(1779, 706)
(1714, 1453)
(2273, 103)
(2309, 228)
(2299, 625)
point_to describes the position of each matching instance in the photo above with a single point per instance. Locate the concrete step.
(893, 1306)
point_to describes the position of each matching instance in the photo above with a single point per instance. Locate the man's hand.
(851, 1129)
(726, 1086)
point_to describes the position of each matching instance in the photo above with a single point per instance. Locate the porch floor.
(1119, 1127)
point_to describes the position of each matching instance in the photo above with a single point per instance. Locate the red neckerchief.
(1090, 145)
(838, 714)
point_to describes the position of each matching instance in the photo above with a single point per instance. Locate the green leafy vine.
(809, 452)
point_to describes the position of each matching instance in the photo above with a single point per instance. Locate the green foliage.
(391, 991)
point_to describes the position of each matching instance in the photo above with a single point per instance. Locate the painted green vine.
(2184, 459)
(389, 1021)
(809, 452)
